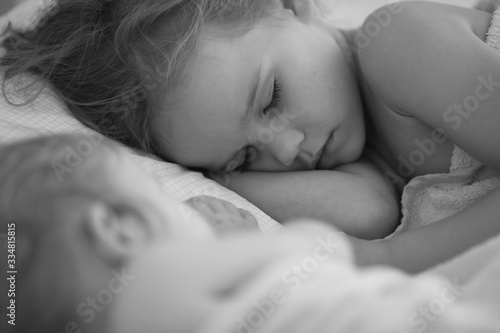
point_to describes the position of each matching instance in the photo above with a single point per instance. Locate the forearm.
(355, 199)
(423, 248)
(487, 5)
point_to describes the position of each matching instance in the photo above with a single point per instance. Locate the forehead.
(205, 124)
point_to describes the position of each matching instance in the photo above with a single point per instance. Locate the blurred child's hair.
(40, 203)
(113, 61)
(53, 167)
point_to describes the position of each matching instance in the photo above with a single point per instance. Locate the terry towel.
(430, 198)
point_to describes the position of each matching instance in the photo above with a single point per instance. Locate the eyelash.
(249, 157)
(275, 101)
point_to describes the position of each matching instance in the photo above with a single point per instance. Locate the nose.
(286, 145)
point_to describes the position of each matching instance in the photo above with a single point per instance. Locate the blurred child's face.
(268, 101)
(206, 286)
(165, 216)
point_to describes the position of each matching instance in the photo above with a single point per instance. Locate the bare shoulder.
(430, 62)
(408, 20)
(397, 41)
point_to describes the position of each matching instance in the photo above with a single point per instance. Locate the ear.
(305, 10)
(119, 232)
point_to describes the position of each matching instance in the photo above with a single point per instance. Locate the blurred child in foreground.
(104, 250)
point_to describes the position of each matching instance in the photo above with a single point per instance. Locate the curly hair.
(113, 61)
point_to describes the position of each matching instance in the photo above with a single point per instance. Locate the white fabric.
(334, 296)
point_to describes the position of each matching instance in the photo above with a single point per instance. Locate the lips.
(326, 156)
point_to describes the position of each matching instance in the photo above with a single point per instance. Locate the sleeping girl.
(104, 251)
(307, 119)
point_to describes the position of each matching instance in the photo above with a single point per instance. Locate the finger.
(231, 208)
(222, 207)
(204, 203)
(250, 220)
(196, 202)
(201, 206)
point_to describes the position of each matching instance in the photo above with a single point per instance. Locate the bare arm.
(487, 5)
(356, 198)
(423, 248)
(442, 49)
(431, 63)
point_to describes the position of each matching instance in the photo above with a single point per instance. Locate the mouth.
(325, 155)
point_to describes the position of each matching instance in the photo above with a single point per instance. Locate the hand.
(222, 215)
(487, 5)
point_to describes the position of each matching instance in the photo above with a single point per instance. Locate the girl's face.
(281, 98)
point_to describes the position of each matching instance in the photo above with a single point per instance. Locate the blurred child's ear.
(304, 10)
(117, 232)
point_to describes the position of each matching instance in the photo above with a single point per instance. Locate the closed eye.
(275, 101)
(250, 156)
(250, 152)
(242, 160)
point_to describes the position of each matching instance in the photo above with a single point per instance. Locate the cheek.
(317, 94)
(342, 85)
(319, 74)
(163, 293)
